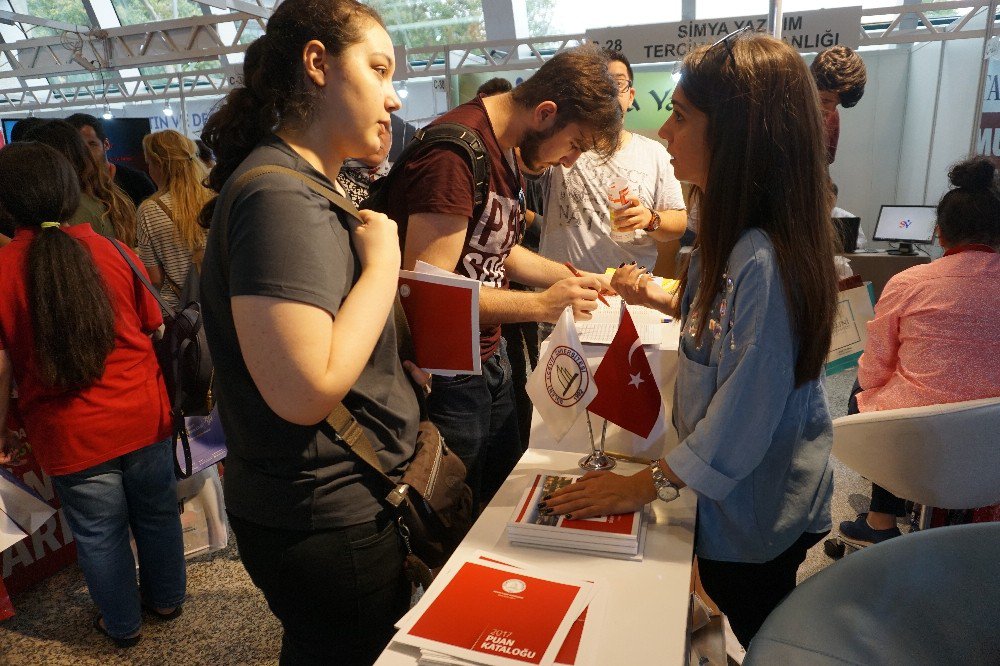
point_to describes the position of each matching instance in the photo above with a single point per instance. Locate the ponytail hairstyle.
(94, 178)
(766, 170)
(71, 311)
(970, 213)
(176, 156)
(276, 90)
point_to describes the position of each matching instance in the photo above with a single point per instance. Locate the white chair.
(939, 456)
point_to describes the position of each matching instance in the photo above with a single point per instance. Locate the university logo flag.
(562, 385)
(627, 391)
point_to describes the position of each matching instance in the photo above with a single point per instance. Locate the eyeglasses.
(728, 40)
(624, 85)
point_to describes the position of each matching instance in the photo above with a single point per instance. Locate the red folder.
(441, 312)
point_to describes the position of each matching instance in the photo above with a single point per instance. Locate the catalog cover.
(622, 527)
(577, 648)
(495, 614)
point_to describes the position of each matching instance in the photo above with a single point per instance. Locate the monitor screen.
(906, 224)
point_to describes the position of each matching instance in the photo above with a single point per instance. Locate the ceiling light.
(403, 92)
(167, 111)
(107, 115)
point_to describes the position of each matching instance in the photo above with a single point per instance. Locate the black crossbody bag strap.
(176, 414)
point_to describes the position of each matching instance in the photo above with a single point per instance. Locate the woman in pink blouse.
(934, 336)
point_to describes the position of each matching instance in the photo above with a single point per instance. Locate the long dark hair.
(71, 312)
(277, 91)
(94, 178)
(970, 213)
(767, 169)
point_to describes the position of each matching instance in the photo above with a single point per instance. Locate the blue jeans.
(136, 490)
(477, 416)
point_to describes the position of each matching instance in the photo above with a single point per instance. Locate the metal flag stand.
(597, 460)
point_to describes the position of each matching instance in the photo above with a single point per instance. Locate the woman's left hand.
(602, 494)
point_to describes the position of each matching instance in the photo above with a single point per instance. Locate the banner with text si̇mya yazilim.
(988, 142)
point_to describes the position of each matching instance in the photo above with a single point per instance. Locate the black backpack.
(184, 358)
(382, 190)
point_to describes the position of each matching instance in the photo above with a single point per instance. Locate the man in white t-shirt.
(577, 223)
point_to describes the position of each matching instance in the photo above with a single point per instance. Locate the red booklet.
(621, 529)
(442, 311)
(495, 614)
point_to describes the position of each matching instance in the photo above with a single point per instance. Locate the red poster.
(49, 549)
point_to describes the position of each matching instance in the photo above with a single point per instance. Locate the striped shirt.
(159, 244)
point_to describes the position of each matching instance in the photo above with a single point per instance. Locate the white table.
(663, 362)
(647, 614)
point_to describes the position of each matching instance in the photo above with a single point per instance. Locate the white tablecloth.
(646, 620)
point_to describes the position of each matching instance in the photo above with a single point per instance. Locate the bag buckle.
(397, 495)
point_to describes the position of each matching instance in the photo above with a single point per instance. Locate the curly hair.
(970, 211)
(840, 70)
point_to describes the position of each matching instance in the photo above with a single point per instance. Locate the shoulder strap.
(333, 197)
(166, 211)
(347, 427)
(173, 286)
(455, 134)
(143, 279)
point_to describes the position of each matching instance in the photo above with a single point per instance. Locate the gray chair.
(926, 598)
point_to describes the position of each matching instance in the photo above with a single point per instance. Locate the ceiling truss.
(214, 36)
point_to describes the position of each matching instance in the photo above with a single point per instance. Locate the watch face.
(668, 493)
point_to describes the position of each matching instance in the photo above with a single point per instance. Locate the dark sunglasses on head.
(728, 40)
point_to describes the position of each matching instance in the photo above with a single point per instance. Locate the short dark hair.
(970, 213)
(584, 92)
(22, 127)
(495, 86)
(79, 120)
(618, 56)
(840, 70)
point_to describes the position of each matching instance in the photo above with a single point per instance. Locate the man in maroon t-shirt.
(568, 107)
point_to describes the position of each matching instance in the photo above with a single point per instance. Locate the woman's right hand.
(636, 287)
(376, 240)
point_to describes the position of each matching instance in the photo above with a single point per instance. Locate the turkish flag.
(627, 393)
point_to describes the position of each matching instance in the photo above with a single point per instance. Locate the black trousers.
(747, 593)
(336, 592)
(882, 500)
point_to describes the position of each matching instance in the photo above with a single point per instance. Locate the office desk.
(647, 614)
(878, 267)
(663, 363)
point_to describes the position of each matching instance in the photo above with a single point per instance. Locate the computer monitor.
(906, 225)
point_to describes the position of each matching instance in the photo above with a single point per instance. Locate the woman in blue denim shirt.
(757, 306)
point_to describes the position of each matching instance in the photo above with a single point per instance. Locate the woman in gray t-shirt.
(297, 298)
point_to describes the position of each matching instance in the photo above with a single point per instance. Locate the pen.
(576, 273)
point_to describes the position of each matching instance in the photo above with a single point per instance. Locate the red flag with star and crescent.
(627, 394)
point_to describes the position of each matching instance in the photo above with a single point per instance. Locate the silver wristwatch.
(666, 489)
